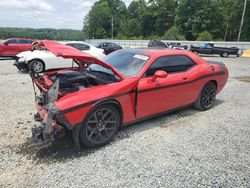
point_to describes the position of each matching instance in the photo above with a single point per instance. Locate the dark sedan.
(109, 47)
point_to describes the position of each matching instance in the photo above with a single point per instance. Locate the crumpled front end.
(20, 63)
(52, 122)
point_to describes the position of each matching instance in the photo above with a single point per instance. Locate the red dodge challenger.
(130, 85)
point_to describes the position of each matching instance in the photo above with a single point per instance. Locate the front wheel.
(100, 126)
(37, 66)
(207, 97)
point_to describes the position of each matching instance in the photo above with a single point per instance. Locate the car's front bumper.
(21, 65)
(49, 127)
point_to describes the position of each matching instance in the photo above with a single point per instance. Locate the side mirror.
(6, 43)
(159, 74)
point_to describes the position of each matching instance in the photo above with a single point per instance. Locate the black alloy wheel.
(100, 126)
(207, 97)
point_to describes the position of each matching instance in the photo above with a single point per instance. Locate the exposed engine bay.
(72, 81)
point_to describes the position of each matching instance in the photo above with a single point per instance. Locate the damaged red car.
(129, 85)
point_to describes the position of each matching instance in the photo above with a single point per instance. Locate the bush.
(173, 34)
(204, 36)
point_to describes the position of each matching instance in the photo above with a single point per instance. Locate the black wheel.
(207, 97)
(224, 54)
(37, 66)
(100, 126)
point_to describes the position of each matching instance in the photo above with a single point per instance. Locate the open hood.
(62, 50)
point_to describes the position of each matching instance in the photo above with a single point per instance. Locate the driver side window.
(170, 64)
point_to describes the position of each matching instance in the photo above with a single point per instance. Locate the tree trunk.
(225, 36)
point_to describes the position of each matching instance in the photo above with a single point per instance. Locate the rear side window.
(12, 41)
(22, 41)
(79, 46)
(170, 64)
(82, 47)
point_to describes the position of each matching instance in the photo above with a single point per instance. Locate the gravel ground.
(188, 148)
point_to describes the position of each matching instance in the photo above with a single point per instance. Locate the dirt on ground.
(187, 148)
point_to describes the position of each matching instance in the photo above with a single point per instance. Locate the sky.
(58, 14)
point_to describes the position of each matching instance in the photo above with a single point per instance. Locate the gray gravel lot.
(188, 148)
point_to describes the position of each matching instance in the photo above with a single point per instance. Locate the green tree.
(196, 16)
(246, 26)
(204, 36)
(165, 15)
(173, 34)
(97, 24)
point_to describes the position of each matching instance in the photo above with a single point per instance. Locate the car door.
(59, 62)
(24, 45)
(168, 93)
(207, 49)
(11, 47)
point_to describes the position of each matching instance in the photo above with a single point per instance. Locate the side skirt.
(157, 115)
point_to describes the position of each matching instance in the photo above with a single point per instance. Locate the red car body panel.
(14, 49)
(139, 97)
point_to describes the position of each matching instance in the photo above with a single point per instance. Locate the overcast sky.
(45, 13)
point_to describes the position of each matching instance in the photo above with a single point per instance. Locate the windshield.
(128, 63)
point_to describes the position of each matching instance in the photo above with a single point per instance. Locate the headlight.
(21, 59)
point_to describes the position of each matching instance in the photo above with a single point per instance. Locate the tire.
(224, 54)
(100, 126)
(37, 66)
(207, 97)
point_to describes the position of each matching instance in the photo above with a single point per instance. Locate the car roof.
(18, 39)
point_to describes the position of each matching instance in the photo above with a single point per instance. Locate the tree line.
(51, 34)
(168, 19)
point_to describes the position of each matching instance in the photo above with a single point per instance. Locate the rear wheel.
(36, 66)
(207, 97)
(224, 54)
(100, 126)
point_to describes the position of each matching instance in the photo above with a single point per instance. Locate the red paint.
(14, 49)
(140, 97)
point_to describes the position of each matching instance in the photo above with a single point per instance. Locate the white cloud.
(27, 4)
(45, 13)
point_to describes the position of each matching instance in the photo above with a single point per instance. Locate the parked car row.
(207, 48)
(40, 60)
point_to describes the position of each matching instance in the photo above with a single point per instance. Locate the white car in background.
(39, 61)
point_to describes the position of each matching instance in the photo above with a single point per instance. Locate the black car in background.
(157, 44)
(209, 48)
(177, 45)
(160, 44)
(109, 47)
